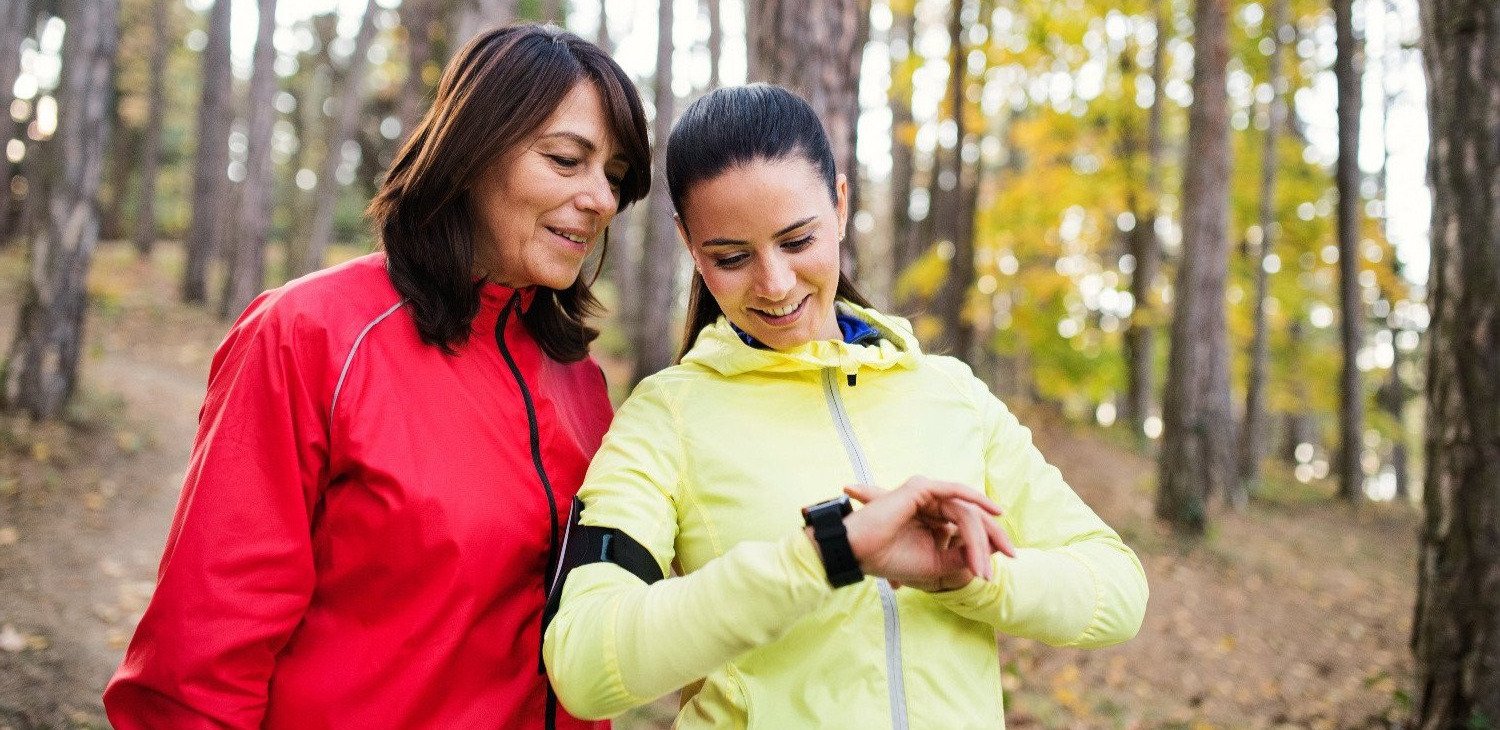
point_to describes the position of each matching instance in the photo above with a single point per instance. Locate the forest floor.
(1292, 613)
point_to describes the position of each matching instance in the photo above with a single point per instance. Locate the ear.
(841, 203)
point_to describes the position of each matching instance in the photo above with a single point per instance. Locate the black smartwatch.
(827, 521)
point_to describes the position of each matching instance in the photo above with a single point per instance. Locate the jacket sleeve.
(1073, 581)
(237, 571)
(617, 643)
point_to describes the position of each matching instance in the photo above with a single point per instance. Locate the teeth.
(784, 311)
(571, 237)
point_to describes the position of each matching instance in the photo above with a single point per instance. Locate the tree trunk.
(1346, 71)
(1456, 632)
(247, 273)
(953, 295)
(210, 178)
(471, 17)
(1197, 451)
(904, 247)
(1145, 248)
(117, 186)
(145, 217)
(715, 42)
(1253, 441)
(351, 103)
(418, 17)
(813, 47)
(660, 252)
(601, 36)
(41, 371)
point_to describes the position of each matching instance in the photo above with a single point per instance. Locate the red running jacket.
(363, 536)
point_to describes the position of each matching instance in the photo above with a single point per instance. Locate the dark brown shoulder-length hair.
(732, 126)
(499, 89)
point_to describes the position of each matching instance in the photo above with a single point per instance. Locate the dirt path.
(89, 508)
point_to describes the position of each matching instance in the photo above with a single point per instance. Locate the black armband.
(586, 544)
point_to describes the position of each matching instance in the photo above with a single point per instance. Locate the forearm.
(617, 643)
(1087, 594)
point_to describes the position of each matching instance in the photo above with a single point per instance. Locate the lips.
(781, 316)
(572, 238)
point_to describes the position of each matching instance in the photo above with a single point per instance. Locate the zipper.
(895, 681)
(541, 472)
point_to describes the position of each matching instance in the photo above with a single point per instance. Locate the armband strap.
(586, 544)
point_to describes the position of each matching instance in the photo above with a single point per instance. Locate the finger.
(946, 531)
(976, 542)
(865, 493)
(993, 534)
(962, 492)
(999, 538)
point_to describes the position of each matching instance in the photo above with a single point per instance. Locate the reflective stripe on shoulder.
(344, 372)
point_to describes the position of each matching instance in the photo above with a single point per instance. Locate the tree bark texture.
(1456, 631)
(211, 163)
(1197, 451)
(41, 371)
(1347, 72)
(715, 41)
(654, 338)
(904, 246)
(145, 217)
(472, 17)
(955, 221)
(350, 104)
(1253, 441)
(813, 47)
(601, 36)
(1145, 248)
(247, 271)
(419, 19)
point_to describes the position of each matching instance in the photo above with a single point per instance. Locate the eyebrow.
(738, 242)
(584, 142)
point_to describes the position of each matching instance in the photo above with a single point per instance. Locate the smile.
(578, 241)
(782, 315)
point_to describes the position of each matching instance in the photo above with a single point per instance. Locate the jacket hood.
(720, 349)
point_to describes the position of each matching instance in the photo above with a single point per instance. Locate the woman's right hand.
(928, 534)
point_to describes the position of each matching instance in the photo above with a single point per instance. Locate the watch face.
(833, 510)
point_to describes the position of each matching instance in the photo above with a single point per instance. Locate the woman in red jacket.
(387, 446)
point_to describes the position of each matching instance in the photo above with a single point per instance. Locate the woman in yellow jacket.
(789, 387)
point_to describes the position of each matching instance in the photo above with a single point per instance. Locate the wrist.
(825, 527)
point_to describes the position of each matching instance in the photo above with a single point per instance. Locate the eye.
(732, 261)
(798, 244)
(564, 161)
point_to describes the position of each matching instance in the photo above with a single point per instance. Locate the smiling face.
(765, 236)
(540, 207)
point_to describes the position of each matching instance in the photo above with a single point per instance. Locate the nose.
(597, 195)
(774, 278)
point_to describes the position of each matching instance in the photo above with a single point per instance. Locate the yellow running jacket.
(708, 465)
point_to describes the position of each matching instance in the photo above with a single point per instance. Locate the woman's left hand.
(943, 538)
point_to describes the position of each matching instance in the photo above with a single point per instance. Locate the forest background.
(1187, 239)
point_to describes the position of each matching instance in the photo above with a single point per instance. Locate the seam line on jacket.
(349, 361)
(895, 677)
(686, 490)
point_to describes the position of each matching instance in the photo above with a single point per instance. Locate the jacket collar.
(719, 348)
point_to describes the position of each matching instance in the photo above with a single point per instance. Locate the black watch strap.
(827, 521)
